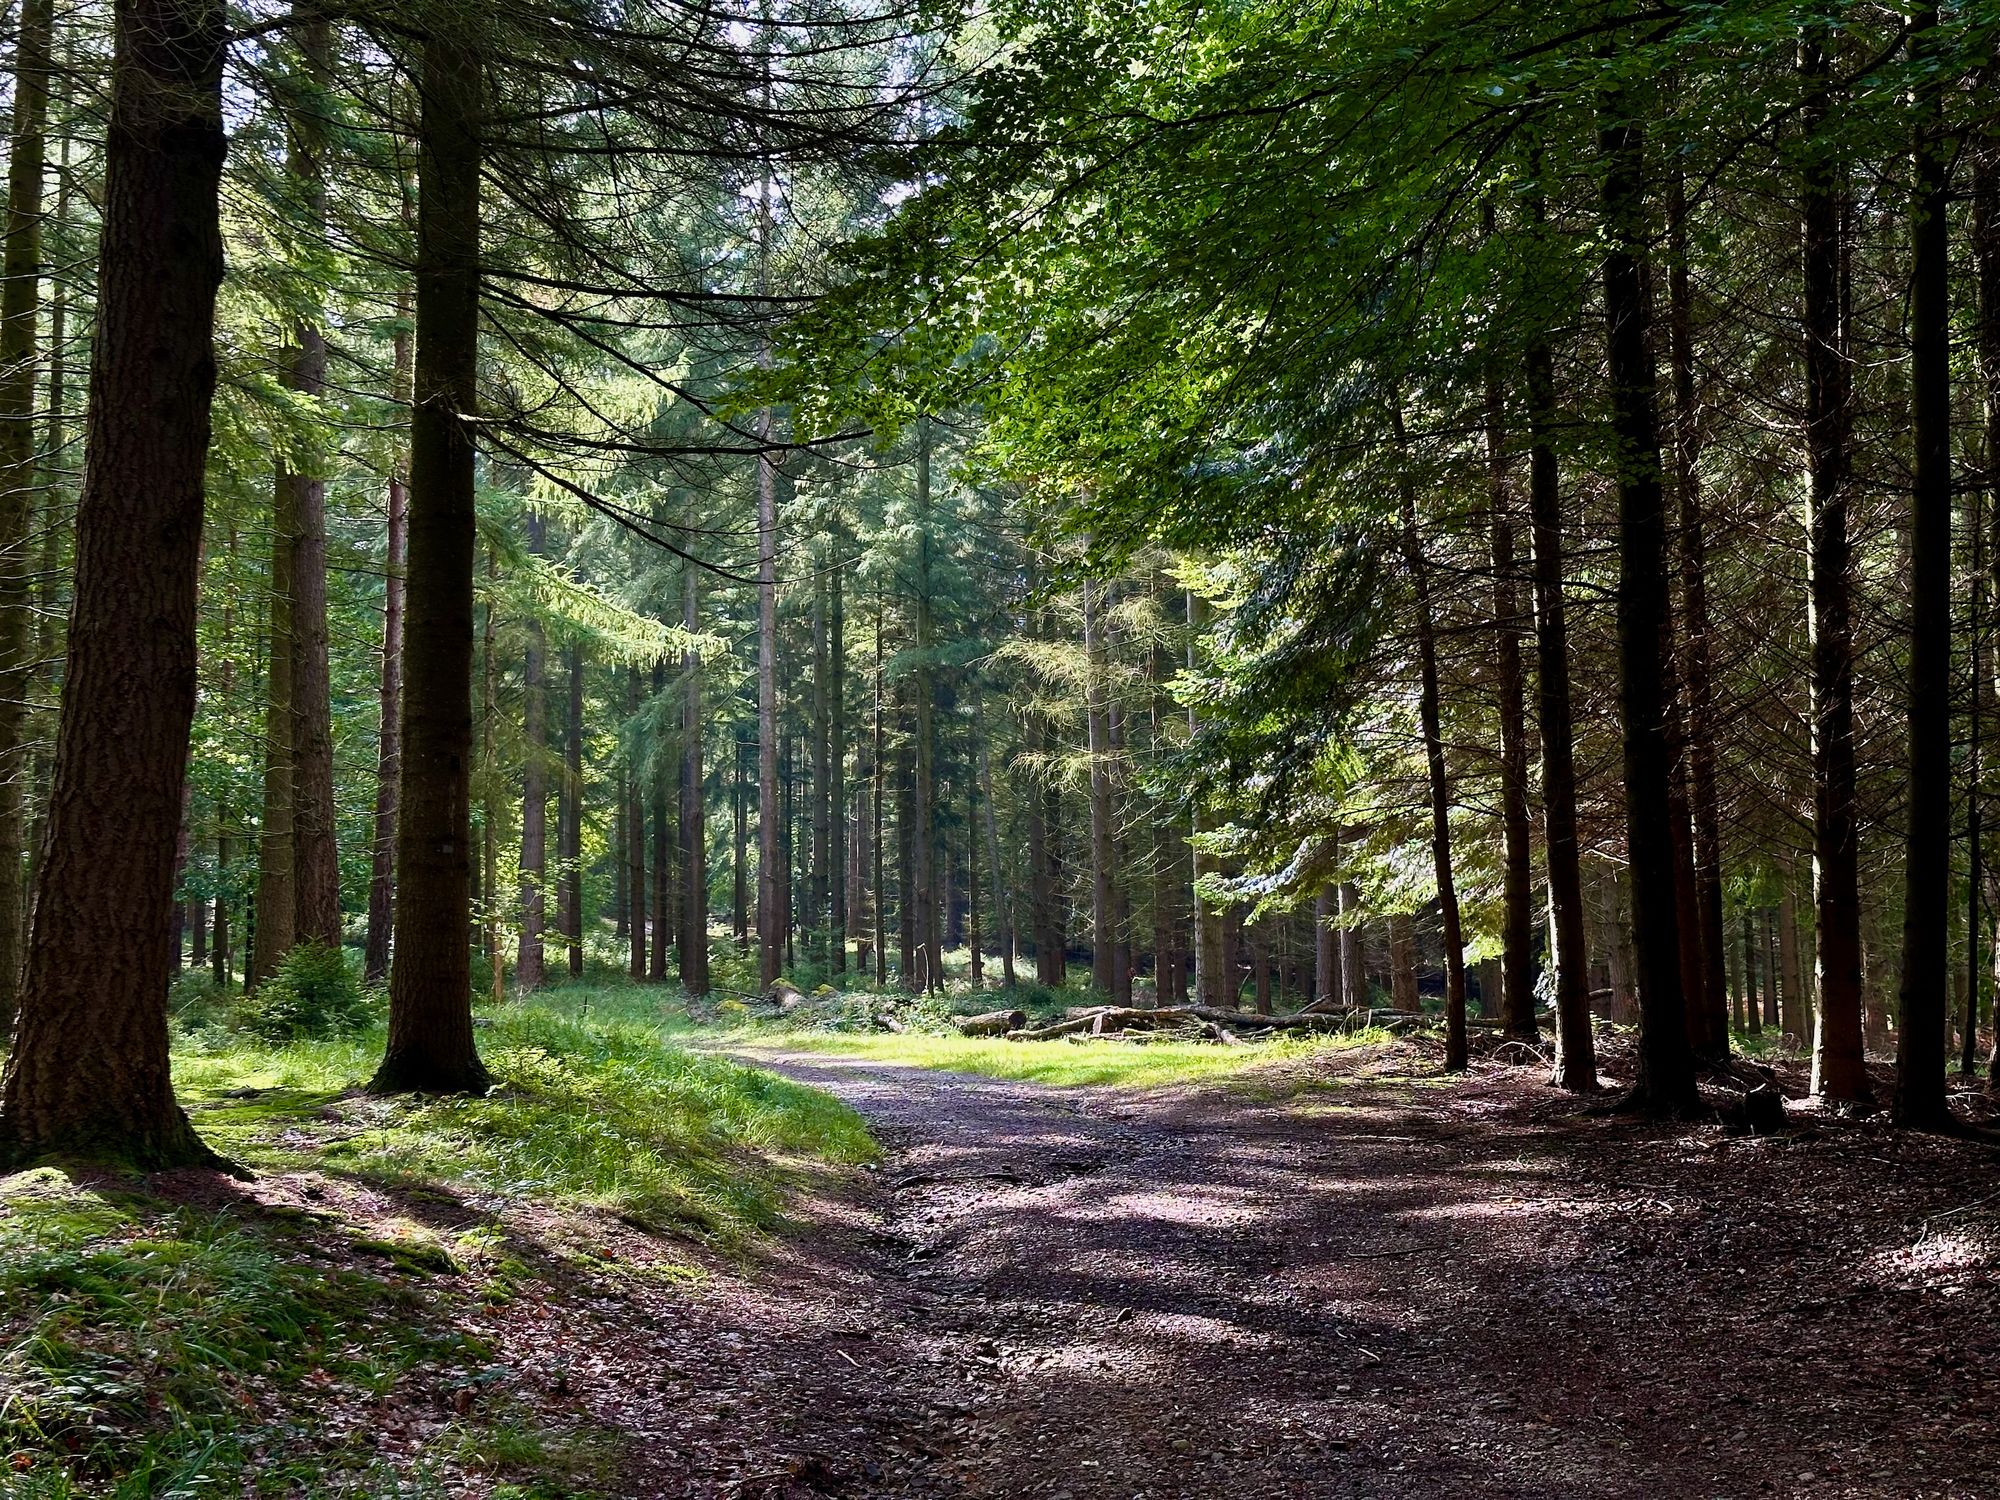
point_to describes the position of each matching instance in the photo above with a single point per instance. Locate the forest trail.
(1379, 1287)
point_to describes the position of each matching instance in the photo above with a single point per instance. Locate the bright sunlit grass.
(1083, 1062)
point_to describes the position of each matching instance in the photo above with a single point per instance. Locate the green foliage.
(314, 993)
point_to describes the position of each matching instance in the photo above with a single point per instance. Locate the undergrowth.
(251, 1343)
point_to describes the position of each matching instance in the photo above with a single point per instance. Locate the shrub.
(313, 994)
(195, 1000)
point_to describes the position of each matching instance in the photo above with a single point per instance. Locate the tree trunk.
(1402, 964)
(1326, 948)
(1666, 1064)
(388, 761)
(20, 303)
(819, 867)
(694, 810)
(666, 907)
(1708, 988)
(1576, 1047)
(1003, 895)
(87, 1074)
(1455, 1053)
(1986, 266)
(277, 862)
(635, 830)
(534, 792)
(430, 988)
(1796, 1008)
(881, 889)
(1517, 965)
(836, 797)
(1921, 1001)
(569, 814)
(1838, 1071)
(1103, 937)
(316, 868)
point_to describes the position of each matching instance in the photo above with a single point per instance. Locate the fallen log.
(992, 1023)
(1112, 1018)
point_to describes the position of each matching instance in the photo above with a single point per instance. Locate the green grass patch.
(1082, 1062)
(593, 1105)
(152, 1348)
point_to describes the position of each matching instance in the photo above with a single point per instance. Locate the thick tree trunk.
(87, 1074)
(1986, 265)
(1707, 988)
(20, 305)
(1517, 928)
(1922, 998)
(1666, 1063)
(528, 973)
(1838, 1071)
(569, 815)
(1455, 1047)
(693, 952)
(1576, 1047)
(316, 859)
(388, 759)
(430, 987)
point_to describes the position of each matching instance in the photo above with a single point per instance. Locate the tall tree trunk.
(1003, 894)
(694, 809)
(635, 829)
(1986, 266)
(819, 866)
(486, 892)
(316, 870)
(1839, 1072)
(1922, 999)
(875, 805)
(1210, 986)
(528, 973)
(1103, 900)
(87, 1074)
(1576, 1047)
(1455, 1046)
(923, 840)
(836, 798)
(1326, 948)
(739, 896)
(621, 898)
(1402, 964)
(20, 305)
(388, 760)
(1517, 966)
(569, 813)
(277, 862)
(666, 907)
(430, 987)
(1666, 1081)
(1708, 988)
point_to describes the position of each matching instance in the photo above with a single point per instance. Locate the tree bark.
(634, 852)
(1922, 998)
(1839, 1072)
(1576, 1046)
(1708, 990)
(1986, 268)
(20, 305)
(87, 1075)
(923, 840)
(388, 761)
(1103, 937)
(528, 970)
(569, 815)
(1666, 1080)
(666, 906)
(693, 951)
(1455, 1046)
(836, 799)
(431, 1046)
(1517, 966)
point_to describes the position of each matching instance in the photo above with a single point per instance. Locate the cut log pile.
(1218, 1024)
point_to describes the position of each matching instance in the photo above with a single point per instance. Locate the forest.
(828, 747)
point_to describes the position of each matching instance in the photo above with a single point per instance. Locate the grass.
(150, 1346)
(1067, 1063)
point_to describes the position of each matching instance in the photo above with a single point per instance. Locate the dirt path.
(1384, 1289)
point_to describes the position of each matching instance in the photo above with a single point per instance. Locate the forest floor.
(1335, 1274)
(1350, 1278)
